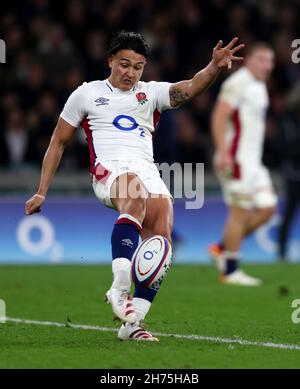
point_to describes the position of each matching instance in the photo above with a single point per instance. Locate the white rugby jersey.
(118, 124)
(249, 97)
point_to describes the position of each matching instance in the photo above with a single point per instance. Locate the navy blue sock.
(125, 237)
(231, 265)
(144, 293)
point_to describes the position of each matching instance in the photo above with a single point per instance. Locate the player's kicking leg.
(158, 221)
(129, 198)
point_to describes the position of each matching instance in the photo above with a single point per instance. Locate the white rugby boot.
(136, 332)
(122, 306)
(238, 277)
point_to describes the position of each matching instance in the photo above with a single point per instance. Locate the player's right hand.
(33, 205)
(224, 162)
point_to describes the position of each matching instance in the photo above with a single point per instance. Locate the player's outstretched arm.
(183, 91)
(62, 134)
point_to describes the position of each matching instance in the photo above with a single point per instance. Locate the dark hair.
(257, 46)
(128, 40)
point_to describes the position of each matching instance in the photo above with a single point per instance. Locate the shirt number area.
(127, 123)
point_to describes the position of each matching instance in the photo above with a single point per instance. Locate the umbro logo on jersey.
(102, 101)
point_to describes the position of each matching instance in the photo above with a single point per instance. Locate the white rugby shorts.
(253, 189)
(105, 172)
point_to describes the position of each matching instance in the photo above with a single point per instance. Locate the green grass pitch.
(190, 302)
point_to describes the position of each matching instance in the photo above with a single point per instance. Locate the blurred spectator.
(16, 144)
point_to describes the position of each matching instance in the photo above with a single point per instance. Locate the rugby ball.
(151, 262)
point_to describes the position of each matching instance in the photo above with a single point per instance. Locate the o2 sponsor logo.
(296, 52)
(46, 244)
(148, 255)
(127, 123)
(296, 313)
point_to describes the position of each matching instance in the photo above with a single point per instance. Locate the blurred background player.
(238, 128)
(119, 115)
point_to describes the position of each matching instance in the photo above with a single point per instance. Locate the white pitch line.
(55, 324)
(214, 339)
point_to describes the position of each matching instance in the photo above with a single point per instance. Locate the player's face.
(127, 68)
(261, 63)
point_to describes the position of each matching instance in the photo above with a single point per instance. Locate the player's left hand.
(223, 56)
(33, 205)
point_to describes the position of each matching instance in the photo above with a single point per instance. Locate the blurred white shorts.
(254, 188)
(105, 173)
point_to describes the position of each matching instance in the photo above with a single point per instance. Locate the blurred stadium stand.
(52, 47)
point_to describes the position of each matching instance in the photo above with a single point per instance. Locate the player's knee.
(239, 215)
(267, 213)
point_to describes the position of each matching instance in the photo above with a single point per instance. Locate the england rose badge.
(141, 98)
